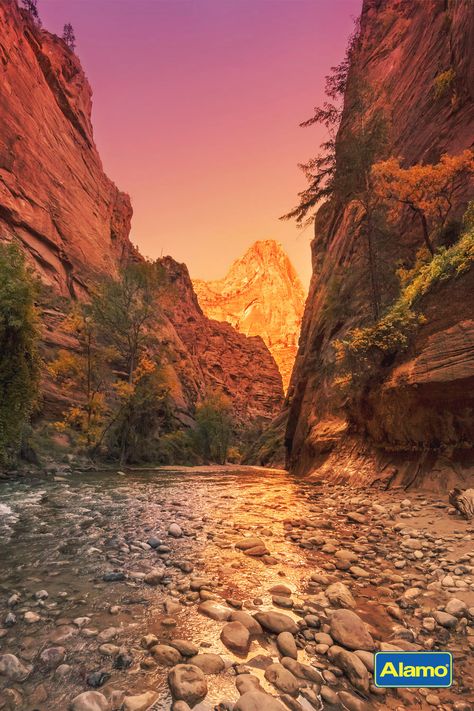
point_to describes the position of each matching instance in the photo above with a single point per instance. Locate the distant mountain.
(261, 295)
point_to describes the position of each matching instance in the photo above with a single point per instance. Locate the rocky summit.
(261, 295)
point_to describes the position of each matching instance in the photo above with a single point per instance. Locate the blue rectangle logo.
(413, 669)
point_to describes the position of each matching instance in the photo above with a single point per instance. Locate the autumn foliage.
(429, 191)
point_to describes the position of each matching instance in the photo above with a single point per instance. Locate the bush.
(19, 360)
(443, 82)
(370, 346)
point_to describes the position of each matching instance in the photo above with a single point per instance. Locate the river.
(65, 539)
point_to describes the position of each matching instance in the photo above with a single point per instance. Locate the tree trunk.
(426, 234)
(463, 501)
(372, 269)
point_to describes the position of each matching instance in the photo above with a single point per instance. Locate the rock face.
(214, 355)
(421, 401)
(74, 225)
(261, 295)
(54, 195)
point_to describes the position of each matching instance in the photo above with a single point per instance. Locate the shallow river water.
(63, 536)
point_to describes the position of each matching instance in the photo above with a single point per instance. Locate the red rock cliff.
(74, 224)
(418, 411)
(261, 295)
(54, 195)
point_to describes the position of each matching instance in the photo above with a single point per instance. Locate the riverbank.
(110, 582)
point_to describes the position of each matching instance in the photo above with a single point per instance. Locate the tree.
(19, 360)
(428, 191)
(125, 309)
(142, 414)
(126, 313)
(84, 375)
(214, 425)
(32, 7)
(320, 171)
(69, 37)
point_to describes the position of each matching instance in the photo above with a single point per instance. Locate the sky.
(196, 112)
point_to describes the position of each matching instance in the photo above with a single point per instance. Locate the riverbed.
(94, 562)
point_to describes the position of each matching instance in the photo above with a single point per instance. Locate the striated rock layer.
(54, 195)
(261, 295)
(417, 415)
(74, 225)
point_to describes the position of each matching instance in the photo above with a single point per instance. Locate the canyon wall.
(74, 225)
(416, 418)
(261, 295)
(54, 195)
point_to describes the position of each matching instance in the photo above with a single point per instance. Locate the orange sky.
(196, 112)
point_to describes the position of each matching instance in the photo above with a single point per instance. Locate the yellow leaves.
(443, 82)
(391, 334)
(65, 367)
(428, 188)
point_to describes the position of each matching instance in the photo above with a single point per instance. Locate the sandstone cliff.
(74, 225)
(216, 356)
(261, 295)
(54, 195)
(417, 414)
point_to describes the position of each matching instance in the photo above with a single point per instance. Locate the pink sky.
(196, 112)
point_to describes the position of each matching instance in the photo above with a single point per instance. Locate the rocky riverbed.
(243, 590)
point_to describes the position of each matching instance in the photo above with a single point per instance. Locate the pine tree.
(69, 36)
(32, 7)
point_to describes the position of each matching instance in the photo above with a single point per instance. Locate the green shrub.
(443, 82)
(367, 347)
(19, 360)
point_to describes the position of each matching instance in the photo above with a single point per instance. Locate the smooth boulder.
(350, 631)
(187, 683)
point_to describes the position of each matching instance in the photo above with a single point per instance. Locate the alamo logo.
(413, 669)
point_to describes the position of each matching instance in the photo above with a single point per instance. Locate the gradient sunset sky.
(196, 112)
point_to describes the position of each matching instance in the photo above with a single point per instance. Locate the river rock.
(236, 637)
(90, 701)
(52, 657)
(339, 595)
(444, 619)
(181, 706)
(258, 701)
(282, 679)
(246, 683)
(142, 702)
(276, 622)
(165, 655)
(245, 544)
(456, 607)
(154, 577)
(185, 648)
(215, 611)
(187, 683)
(286, 645)
(247, 620)
(354, 669)
(208, 662)
(349, 630)
(302, 671)
(175, 531)
(12, 668)
(353, 703)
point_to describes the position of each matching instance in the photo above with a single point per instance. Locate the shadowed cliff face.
(74, 225)
(261, 295)
(54, 195)
(423, 401)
